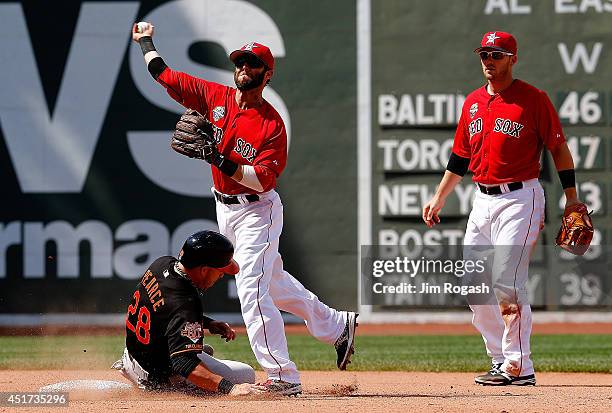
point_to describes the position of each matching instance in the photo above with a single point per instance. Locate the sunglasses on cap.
(252, 61)
(495, 55)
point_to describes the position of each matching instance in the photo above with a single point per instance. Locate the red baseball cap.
(502, 41)
(256, 49)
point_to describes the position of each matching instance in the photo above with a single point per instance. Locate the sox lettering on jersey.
(245, 150)
(242, 148)
(508, 127)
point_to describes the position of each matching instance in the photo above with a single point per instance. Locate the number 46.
(587, 109)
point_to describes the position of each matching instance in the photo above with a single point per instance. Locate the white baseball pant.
(511, 223)
(264, 286)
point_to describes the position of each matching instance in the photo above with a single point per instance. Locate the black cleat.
(504, 379)
(345, 345)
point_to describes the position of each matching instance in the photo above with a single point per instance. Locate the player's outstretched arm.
(142, 33)
(187, 90)
(209, 381)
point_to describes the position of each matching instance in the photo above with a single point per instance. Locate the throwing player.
(164, 339)
(249, 156)
(503, 128)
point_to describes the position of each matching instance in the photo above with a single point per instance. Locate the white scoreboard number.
(591, 194)
(580, 289)
(582, 107)
(586, 151)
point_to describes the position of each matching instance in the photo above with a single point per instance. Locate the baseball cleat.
(117, 365)
(281, 387)
(345, 345)
(490, 375)
(504, 379)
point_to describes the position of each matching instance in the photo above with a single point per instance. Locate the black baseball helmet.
(210, 249)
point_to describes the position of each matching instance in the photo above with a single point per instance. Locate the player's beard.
(504, 71)
(253, 83)
(500, 73)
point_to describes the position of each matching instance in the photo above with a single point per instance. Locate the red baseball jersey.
(503, 135)
(255, 136)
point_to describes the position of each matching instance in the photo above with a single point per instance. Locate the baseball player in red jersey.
(503, 128)
(250, 155)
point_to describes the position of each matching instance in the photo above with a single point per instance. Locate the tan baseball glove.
(576, 230)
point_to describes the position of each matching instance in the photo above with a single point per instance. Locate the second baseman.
(503, 129)
(250, 155)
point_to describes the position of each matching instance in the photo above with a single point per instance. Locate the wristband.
(226, 166)
(146, 44)
(568, 178)
(157, 65)
(225, 386)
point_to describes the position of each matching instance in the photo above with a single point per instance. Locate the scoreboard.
(423, 66)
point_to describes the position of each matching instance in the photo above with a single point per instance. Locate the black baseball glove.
(194, 136)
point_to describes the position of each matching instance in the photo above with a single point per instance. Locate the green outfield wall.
(370, 93)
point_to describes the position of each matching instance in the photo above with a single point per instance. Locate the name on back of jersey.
(152, 287)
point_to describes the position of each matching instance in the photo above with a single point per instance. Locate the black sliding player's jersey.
(164, 319)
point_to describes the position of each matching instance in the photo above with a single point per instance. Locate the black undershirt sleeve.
(206, 321)
(157, 65)
(457, 164)
(184, 364)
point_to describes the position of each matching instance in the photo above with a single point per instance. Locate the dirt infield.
(346, 392)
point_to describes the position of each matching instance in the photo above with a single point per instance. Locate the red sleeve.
(461, 145)
(272, 157)
(549, 125)
(187, 90)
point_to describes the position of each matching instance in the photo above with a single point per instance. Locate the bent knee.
(238, 372)
(243, 373)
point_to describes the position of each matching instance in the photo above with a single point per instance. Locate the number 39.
(144, 320)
